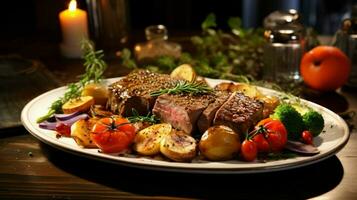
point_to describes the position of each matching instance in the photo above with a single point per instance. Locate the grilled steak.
(207, 116)
(239, 112)
(181, 111)
(133, 91)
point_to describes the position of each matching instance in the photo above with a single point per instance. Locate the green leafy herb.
(185, 87)
(150, 118)
(94, 69)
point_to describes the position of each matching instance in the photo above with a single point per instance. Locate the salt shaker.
(157, 45)
(285, 46)
(346, 40)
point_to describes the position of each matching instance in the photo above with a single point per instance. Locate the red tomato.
(273, 132)
(325, 68)
(113, 134)
(249, 150)
(262, 144)
(63, 129)
(306, 137)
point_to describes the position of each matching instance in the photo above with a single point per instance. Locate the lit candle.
(74, 27)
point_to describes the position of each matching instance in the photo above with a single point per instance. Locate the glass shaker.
(157, 45)
(108, 20)
(346, 40)
(285, 47)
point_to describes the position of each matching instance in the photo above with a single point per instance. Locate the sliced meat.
(133, 91)
(239, 112)
(181, 111)
(207, 116)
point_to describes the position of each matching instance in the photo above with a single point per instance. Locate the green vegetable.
(185, 87)
(150, 118)
(314, 122)
(94, 69)
(291, 119)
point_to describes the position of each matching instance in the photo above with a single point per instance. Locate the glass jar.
(108, 23)
(157, 45)
(285, 47)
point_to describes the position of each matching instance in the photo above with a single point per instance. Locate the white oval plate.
(329, 143)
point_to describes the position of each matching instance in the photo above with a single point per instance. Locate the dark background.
(28, 18)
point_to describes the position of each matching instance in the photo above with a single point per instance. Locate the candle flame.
(72, 5)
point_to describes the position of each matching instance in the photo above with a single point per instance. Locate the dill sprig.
(94, 69)
(139, 118)
(185, 87)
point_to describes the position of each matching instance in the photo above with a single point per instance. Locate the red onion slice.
(52, 125)
(302, 148)
(48, 125)
(71, 121)
(64, 117)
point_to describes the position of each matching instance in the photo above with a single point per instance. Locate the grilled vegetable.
(80, 131)
(270, 103)
(82, 103)
(185, 72)
(147, 141)
(98, 91)
(178, 146)
(249, 90)
(219, 143)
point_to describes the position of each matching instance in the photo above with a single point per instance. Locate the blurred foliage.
(235, 55)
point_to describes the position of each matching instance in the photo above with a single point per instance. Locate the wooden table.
(30, 169)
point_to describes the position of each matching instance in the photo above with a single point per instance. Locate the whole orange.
(325, 68)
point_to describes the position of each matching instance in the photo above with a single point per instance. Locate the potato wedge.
(82, 103)
(147, 141)
(178, 146)
(98, 91)
(184, 71)
(249, 90)
(80, 132)
(270, 103)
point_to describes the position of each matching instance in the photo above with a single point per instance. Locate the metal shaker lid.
(283, 27)
(349, 26)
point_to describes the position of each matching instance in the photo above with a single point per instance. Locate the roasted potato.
(80, 132)
(249, 90)
(185, 72)
(147, 141)
(82, 103)
(270, 103)
(178, 146)
(219, 143)
(98, 91)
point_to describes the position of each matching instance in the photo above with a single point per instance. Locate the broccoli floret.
(314, 122)
(291, 119)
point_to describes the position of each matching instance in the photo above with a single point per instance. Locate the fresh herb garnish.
(150, 118)
(184, 87)
(94, 69)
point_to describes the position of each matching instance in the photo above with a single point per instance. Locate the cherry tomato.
(262, 144)
(274, 133)
(113, 134)
(63, 129)
(249, 150)
(306, 137)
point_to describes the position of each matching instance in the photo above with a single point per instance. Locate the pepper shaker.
(346, 40)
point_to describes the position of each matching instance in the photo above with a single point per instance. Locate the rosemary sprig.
(184, 87)
(94, 69)
(139, 118)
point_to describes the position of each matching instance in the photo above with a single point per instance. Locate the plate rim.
(186, 169)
